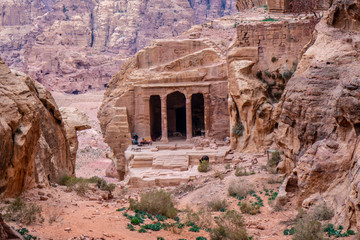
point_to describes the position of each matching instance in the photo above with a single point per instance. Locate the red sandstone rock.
(319, 116)
(34, 148)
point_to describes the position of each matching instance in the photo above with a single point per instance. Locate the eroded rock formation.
(76, 45)
(33, 147)
(260, 61)
(319, 120)
(7, 232)
(74, 121)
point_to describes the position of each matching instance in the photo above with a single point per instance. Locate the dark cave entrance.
(197, 113)
(176, 114)
(155, 116)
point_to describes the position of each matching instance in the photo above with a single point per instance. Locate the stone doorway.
(155, 117)
(176, 115)
(197, 113)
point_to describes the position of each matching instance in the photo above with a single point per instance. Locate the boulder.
(34, 148)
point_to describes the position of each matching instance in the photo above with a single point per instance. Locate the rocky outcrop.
(34, 148)
(76, 45)
(260, 60)
(248, 4)
(74, 121)
(318, 117)
(7, 232)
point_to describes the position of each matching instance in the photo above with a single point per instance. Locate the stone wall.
(285, 5)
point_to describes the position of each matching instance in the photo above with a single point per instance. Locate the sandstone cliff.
(261, 59)
(77, 45)
(318, 117)
(33, 147)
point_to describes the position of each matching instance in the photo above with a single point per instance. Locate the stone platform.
(168, 164)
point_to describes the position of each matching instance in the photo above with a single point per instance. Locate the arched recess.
(197, 113)
(155, 116)
(176, 114)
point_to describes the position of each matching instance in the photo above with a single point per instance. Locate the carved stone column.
(188, 119)
(146, 117)
(164, 125)
(207, 114)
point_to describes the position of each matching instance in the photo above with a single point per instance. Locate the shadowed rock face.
(319, 116)
(33, 147)
(76, 45)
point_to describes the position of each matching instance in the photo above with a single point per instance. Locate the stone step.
(173, 162)
(141, 161)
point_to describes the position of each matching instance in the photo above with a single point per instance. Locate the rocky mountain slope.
(78, 45)
(318, 117)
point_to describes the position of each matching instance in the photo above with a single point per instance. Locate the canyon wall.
(34, 148)
(318, 117)
(76, 45)
(261, 59)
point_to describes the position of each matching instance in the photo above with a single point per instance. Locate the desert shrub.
(274, 159)
(269, 19)
(240, 188)
(202, 218)
(81, 188)
(204, 166)
(307, 228)
(218, 174)
(54, 215)
(322, 212)
(238, 129)
(249, 209)
(201, 238)
(287, 74)
(102, 184)
(217, 205)
(19, 211)
(267, 73)
(156, 202)
(241, 171)
(227, 166)
(25, 233)
(230, 226)
(274, 59)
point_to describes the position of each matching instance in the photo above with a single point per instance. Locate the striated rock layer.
(33, 147)
(318, 117)
(260, 61)
(75, 45)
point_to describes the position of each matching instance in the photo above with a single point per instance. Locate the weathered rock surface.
(6, 232)
(33, 147)
(259, 61)
(318, 117)
(74, 121)
(76, 45)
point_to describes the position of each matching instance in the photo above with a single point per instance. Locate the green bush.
(217, 205)
(269, 19)
(230, 226)
(240, 188)
(156, 202)
(19, 211)
(204, 166)
(238, 129)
